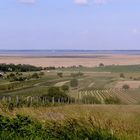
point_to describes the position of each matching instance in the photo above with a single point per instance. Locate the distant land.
(64, 52)
(67, 58)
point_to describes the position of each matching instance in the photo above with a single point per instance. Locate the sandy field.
(90, 61)
(132, 84)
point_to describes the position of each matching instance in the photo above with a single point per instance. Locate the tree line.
(18, 68)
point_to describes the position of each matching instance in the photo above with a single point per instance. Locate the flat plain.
(89, 60)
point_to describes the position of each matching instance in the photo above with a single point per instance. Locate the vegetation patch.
(22, 127)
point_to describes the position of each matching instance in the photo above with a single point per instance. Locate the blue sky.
(70, 24)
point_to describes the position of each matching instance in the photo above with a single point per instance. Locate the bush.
(77, 74)
(35, 75)
(101, 65)
(74, 83)
(24, 128)
(49, 68)
(113, 100)
(122, 75)
(65, 88)
(20, 127)
(60, 74)
(126, 86)
(56, 93)
(41, 73)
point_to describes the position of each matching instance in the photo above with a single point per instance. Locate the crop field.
(106, 98)
(104, 94)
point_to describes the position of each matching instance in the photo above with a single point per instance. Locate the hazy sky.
(70, 24)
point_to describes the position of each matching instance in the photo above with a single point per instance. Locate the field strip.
(128, 97)
(59, 84)
(99, 95)
(121, 96)
(103, 93)
(91, 84)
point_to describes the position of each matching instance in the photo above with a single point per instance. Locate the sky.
(70, 24)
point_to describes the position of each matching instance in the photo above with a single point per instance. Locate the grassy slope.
(122, 120)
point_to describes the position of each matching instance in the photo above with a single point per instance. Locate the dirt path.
(59, 84)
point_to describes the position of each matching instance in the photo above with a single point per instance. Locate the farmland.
(78, 92)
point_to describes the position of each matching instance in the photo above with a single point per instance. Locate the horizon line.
(68, 50)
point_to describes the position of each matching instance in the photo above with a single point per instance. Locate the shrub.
(24, 128)
(77, 74)
(74, 83)
(35, 75)
(41, 73)
(49, 68)
(131, 77)
(60, 74)
(65, 88)
(101, 65)
(112, 100)
(122, 75)
(56, 93)
(126, 86)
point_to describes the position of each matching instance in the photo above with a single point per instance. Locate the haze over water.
(44, 53)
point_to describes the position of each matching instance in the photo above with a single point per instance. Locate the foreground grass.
(82, 121)
(22, 127)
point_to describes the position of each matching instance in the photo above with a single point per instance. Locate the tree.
(101, 65)
(35, 75)
(65, 88)
(126, 86)
(42, 73)
(122, 75)
(112, 100)
(56, 93)
(60, 74)
(74, 83)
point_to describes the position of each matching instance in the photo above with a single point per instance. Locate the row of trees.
(20, 77)
(18, 68)
(77, 74)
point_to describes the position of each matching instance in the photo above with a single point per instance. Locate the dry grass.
(121, 119)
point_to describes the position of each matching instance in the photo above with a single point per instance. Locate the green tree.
(112, 100)
(122, 75)
(56, 93)
(35, 75)
(60, 74)
(74, 83)
(65, 88)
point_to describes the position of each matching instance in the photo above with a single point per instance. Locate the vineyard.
(85, 96)
(125, 96)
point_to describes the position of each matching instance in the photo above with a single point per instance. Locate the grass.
(72, 129)
(121, 120)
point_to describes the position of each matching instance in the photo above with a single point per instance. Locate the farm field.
(101, 85)
(100, 97)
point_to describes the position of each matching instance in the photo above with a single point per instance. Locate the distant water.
(44, 53)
